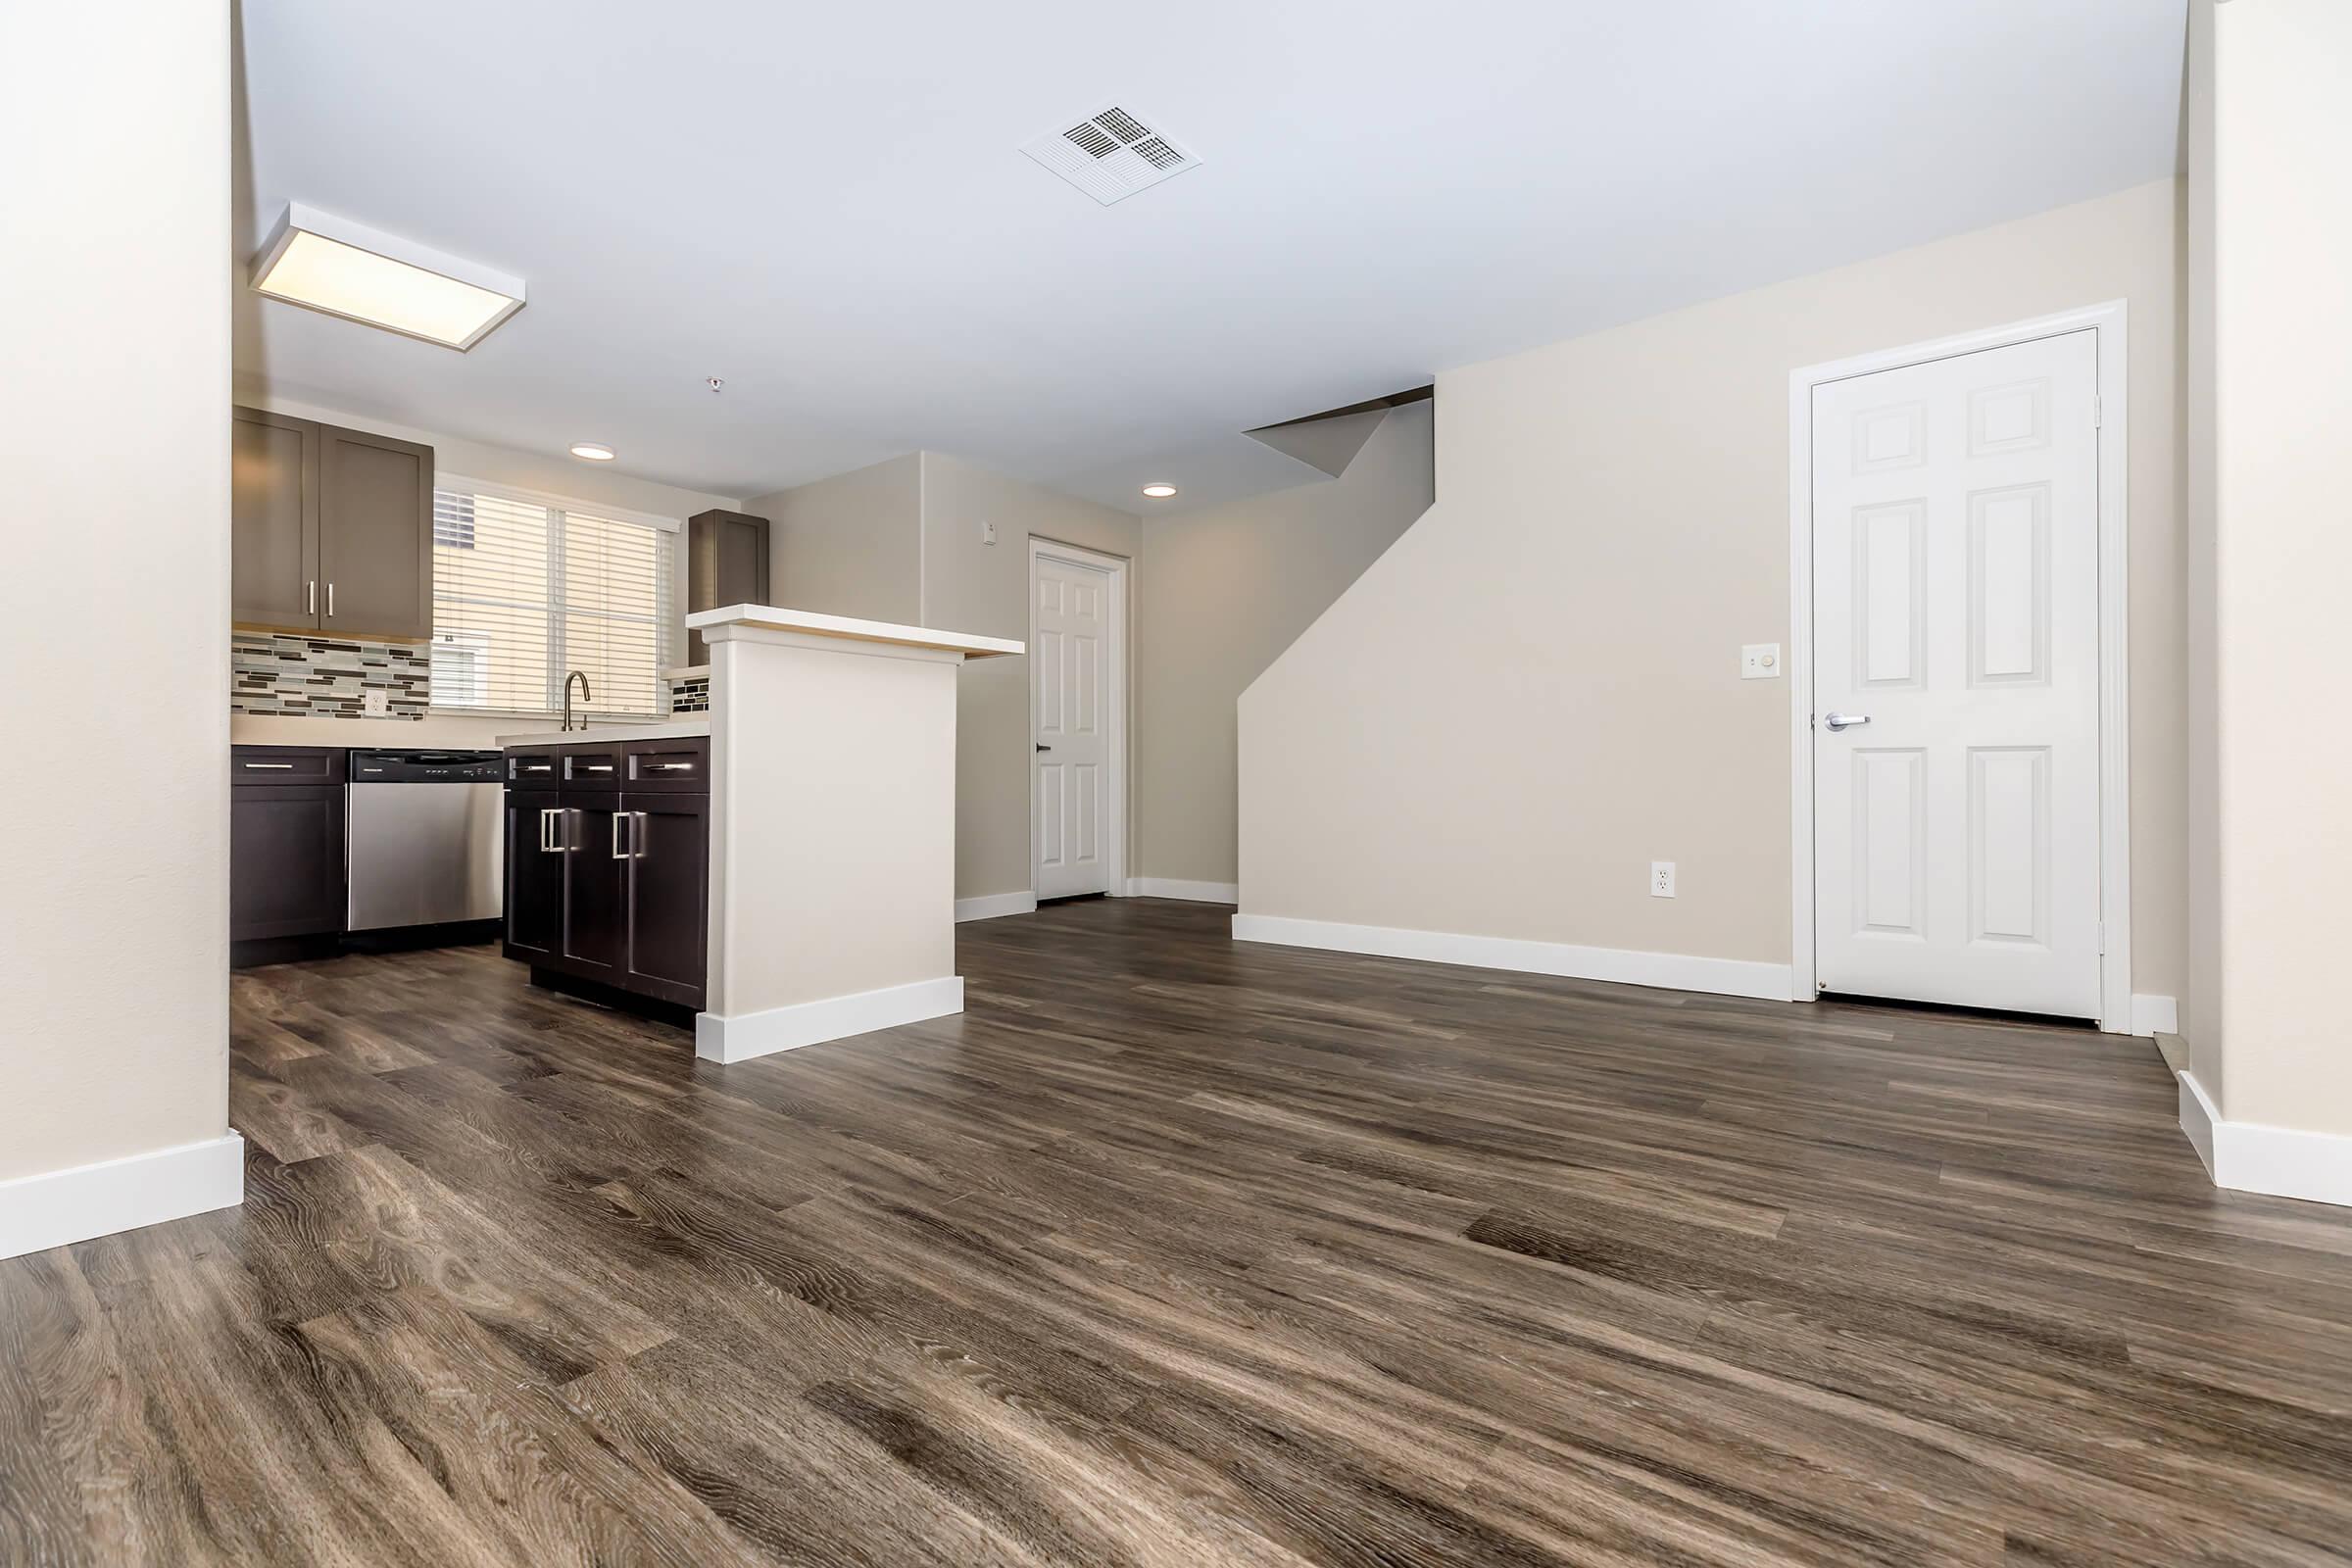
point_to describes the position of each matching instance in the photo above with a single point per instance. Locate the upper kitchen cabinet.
(273, 513)
(375, 536)
(332, 529)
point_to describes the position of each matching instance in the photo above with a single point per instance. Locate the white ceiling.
(824, 204)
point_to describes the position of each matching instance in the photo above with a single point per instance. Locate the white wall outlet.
(1760, 661)
(988, 533)
(1661, 879)
(376, 702)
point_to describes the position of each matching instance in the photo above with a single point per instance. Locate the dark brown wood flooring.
(1177, 1251)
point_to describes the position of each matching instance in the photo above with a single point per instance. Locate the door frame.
(2110, 322)
(1114, 730)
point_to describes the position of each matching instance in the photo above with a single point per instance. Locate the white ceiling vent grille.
(1111, 153)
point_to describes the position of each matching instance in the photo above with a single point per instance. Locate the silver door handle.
(547, 830)
(331, 601)
(1838, 721)
(637, 836)
(310, 596)
(673, 768)
(618, 817)
(267, 765)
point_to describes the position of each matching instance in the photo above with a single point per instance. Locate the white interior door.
(1072, 755)
(1956, 680)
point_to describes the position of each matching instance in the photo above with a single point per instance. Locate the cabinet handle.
(547, 830)
(310, 596)
(331, 601)
(618, 817)
(675, 767)
(637, 836)
(571, 830)
(267, 765)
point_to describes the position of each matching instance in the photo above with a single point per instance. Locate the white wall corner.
(1670, 971)
(57, 1207)
(2154, 1015)
(812, 1023)
(1168, 887)
(989, 906)
(2249, 1156)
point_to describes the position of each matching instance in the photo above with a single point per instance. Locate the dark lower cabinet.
(534, 875)
(285, 843)
(669, 893)
(596, 894)
(608, 887)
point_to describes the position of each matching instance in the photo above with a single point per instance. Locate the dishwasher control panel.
(424, 767)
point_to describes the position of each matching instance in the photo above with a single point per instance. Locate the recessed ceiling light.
(593, 451)
(329, 263)
(1158, 491)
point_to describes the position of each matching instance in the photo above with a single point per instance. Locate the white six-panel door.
(1071, 660)
(1956, 680)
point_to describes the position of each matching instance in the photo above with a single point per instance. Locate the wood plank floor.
(1178, 1251)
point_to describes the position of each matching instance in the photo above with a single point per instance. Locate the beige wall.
(1536, 691)
(2201, 1009)
(1222, 592)
(2281, 193)
(971, 585)
(850, 545)
(114, 416)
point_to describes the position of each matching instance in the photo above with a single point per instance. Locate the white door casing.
(1956, 603)
(1077, 700)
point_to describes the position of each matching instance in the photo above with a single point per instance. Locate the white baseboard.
(989, 906)
(1672, 972)
(1168, 887)
(812, 1023)
(2155, 1016)
(60, 1206)
(2251, 1156)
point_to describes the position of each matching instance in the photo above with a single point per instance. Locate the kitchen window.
(528, 587)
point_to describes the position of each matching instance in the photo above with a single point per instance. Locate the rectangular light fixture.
(325, 262)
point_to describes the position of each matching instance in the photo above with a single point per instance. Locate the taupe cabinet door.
(332, 529)
(375, 536)
(273, 512)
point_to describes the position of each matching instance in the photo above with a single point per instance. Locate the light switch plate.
(1760, 661)
(376, 702)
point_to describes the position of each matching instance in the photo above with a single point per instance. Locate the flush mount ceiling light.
(1159, 490)
(593, 451)
(329, 263)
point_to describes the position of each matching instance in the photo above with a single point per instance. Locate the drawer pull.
(267, 765)
(676, 767)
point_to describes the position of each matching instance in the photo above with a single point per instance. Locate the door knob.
(1838, 721)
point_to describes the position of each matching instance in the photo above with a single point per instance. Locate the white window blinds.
(526, 590)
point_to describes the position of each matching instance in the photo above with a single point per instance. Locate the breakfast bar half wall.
(832, 826)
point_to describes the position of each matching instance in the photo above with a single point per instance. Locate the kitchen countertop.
(679, 729)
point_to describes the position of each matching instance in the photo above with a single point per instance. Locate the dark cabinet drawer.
(534, 767)
(680, 767)
(592, 767)
(284, 765)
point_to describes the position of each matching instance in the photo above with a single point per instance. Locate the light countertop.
(679, 729)
(848, 628)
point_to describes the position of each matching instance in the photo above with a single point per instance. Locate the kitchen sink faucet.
(586, 696)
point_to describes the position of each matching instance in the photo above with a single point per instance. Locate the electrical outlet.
(1760, 661)
(1661, 879)
(376, 702)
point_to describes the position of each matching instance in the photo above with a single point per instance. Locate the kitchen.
(669, 846)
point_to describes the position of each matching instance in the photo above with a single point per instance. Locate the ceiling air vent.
(1111, 153)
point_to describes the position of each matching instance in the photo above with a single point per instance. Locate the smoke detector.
(1111, 153)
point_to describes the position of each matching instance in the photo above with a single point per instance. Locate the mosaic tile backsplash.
(690, 694)
(324, 677)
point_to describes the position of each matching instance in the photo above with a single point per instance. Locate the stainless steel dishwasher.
(426, 838)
